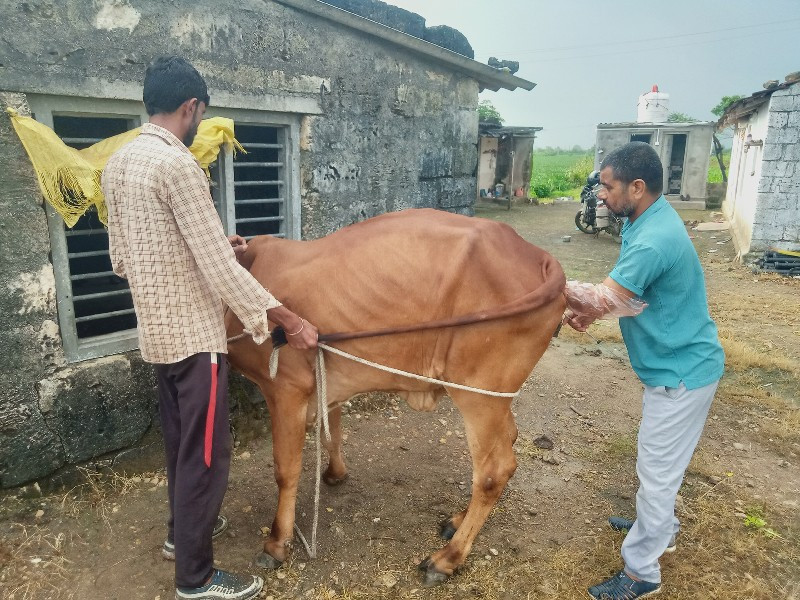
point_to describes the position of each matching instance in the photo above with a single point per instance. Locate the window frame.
(44, 108)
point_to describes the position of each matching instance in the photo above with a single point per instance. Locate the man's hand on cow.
(239, 245)
(300, 334)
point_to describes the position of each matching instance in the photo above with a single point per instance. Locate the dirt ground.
(547, 537)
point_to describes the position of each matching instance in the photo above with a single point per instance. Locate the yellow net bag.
(70, 178)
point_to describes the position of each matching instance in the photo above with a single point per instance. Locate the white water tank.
(653, 107)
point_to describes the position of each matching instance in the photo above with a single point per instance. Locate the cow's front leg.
(490, 433)
(288, 412)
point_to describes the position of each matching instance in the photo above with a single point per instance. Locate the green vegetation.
(724, 104)
(714, 174)
(558, 172)
(488, 113)
(679, 117)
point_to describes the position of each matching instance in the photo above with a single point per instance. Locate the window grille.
(253, 193)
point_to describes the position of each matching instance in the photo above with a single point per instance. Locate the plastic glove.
(589, 302)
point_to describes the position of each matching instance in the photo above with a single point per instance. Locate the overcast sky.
(591, 60)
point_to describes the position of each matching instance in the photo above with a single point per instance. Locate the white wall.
(763, 199)
(487, 164)
(743, 176)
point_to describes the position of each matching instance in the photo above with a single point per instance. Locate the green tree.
(724, 104)
(487, 113)
(679, 117)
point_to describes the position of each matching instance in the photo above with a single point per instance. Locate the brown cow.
(394, 270)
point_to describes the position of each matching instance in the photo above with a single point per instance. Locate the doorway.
(677, 158)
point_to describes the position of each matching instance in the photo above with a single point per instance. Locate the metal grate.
(258, 181)
(101, 301)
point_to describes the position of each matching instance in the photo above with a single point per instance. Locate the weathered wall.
(51, 414)
(389, 130)
(777, 218)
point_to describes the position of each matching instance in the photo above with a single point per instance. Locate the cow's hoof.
(446, 529)
(334, 481)
(431, 576)
(267, 561)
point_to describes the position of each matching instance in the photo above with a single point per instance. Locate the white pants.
(672, 421)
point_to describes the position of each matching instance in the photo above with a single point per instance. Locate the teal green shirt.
(674, 339)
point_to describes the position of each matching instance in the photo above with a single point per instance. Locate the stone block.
(436, 162)
(765, 184)
(778, 119)
(772, 151)
(792, 118)
(785, 135)
(773, 168)
(83, 405)
(791, 153)
(28, 449)
(449, 38)
(781, 101)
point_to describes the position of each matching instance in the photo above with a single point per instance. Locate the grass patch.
(741, 356)
(35, 567)
(714, 172)
(621, 446)
(559, 174)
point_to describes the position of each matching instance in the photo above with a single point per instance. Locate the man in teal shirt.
(673, 348)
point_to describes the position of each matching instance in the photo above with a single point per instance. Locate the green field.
(561, 174)
(714, 174)
(564, 173)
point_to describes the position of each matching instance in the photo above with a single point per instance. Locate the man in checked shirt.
(167, 240)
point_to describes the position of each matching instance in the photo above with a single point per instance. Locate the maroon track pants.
(193, 403)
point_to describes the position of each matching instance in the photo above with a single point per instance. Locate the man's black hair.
(169, 82)
(636, 160)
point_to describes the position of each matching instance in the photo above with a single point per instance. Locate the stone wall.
(382, 129)
(777, 217)
(51, 413)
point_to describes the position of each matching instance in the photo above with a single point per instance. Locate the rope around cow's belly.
(321, 423)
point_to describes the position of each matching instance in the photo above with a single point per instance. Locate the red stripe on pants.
(212, 407)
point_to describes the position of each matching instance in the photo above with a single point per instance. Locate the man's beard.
(190, 135)
(626, 210)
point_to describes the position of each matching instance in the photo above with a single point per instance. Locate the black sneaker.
(624, 525)
(622, 587)
(223, 586)
(168, 549)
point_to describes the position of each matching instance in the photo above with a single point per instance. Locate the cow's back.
(403, 268)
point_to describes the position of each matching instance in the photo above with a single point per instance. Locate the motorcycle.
(594, 216)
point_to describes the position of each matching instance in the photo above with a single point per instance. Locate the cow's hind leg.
(490, 433)
(448, 527)
(336, 472)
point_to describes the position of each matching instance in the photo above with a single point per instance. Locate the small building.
(504, 157)
(684, 148)
(762, 202)
(348, 109)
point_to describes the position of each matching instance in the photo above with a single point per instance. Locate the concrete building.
(346, 114)
(684, 148)
(763, 197)
(504, 157)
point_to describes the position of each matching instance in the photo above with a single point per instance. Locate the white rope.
(322, 425)
(457, 386)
